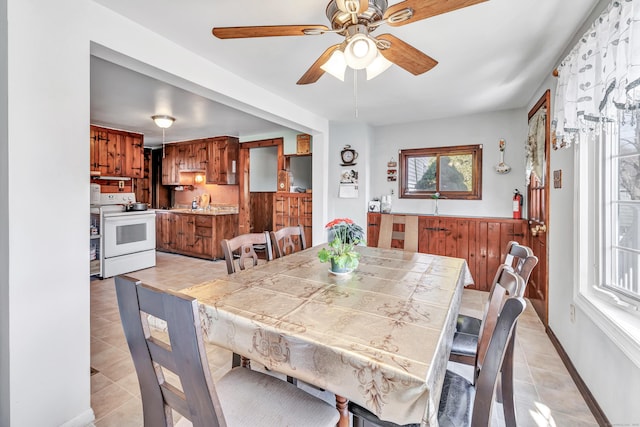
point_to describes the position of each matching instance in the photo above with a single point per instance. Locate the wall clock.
(348, 156)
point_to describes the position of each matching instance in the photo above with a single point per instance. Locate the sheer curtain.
(600, 75)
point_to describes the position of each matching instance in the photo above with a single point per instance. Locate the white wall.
(4, 223)
(46, 342)
(486, 129)
(360, 138)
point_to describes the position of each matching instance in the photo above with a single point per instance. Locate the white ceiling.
(492, 56)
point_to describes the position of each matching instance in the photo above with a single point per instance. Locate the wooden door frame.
(244, 203)
(543, 309)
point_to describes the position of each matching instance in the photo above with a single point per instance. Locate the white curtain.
(536, 146)
(600, 75)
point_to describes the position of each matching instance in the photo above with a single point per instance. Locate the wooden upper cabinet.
(170, 171)
(199, 156)
(217, 157)
(133, 161)
(223, 158)
(116, 153)
(94, 150)
(192, 156)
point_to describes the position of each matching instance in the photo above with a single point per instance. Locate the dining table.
(379, 336)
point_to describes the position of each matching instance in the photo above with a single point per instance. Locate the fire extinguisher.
(517, 204)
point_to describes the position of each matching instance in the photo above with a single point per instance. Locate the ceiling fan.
(355, 20)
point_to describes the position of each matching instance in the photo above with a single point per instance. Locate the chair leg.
(357, 422)
(246, 362)
(292, 380)
(238, 360)
(235, 360)
(506, 386)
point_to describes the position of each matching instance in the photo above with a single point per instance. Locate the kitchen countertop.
(214, 210)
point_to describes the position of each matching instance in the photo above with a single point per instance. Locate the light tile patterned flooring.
(545, 393)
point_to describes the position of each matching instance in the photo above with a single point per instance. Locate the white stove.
(127, 238)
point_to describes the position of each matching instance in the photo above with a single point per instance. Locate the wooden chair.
(240, 398)
(288, 240)
(522, 260)
(462, 402)
(244, 244)
(470, 349)
(409, 236)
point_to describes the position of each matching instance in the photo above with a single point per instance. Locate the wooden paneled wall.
(481, 241)
(261, 211)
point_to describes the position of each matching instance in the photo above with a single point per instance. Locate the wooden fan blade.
(265, 31)
(423, 9)
(364, 6)
(406, 56)
(315, 72)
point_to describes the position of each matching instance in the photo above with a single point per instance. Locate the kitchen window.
(449, 172)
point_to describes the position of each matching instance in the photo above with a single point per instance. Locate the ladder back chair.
(470, 349)
(288, 240)
(240, 398)
(462, 402)
(409, 236)
(522, 260)
(244, 244)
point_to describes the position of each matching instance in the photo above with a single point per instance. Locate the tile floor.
(545, 393)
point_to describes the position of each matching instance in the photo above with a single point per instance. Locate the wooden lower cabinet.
(481, 241)
(197, 235)
(291, 209)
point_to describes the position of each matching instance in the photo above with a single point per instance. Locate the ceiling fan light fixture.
(336, 65)
(378, 66)
(163, 121)
(360, 51)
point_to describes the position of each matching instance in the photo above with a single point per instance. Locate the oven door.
(127, 234)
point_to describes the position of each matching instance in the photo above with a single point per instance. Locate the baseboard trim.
(591, 402)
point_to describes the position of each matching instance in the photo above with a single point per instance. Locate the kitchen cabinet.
(196, 157)
(291, 209)
(115, 153)
(217, 157)
(170, 166)
(223, 158)
(142, 186)
(194, 234)
(133, 158)
(166, 237)
(481, 241)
